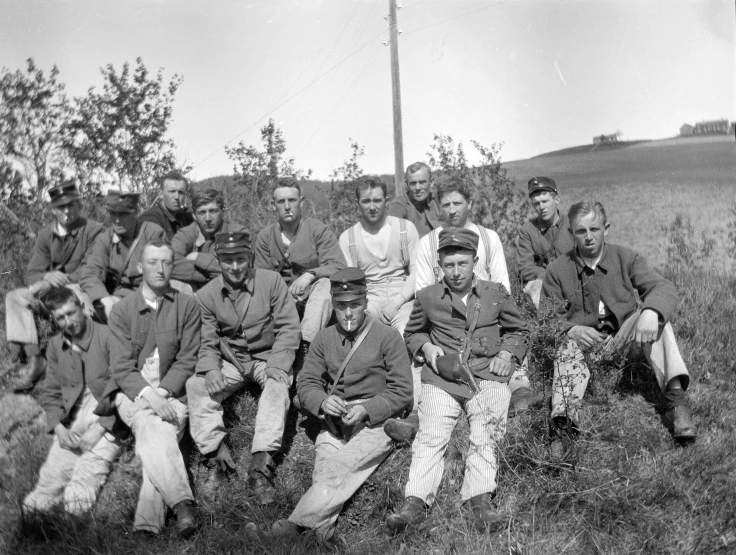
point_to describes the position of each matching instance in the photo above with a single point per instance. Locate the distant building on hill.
(712, 127)
(606, 139)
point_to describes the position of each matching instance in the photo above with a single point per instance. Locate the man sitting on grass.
(594, 289)
(356, 375)
(78, 374)
(472, 338)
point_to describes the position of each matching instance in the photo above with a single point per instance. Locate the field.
(627, 487)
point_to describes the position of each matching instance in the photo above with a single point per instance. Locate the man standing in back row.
(170, 213)
(306, 254)
(420, 205)
(541, 239)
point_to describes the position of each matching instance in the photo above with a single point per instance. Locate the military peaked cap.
(458, 238)
(537, 184)
(120, 201)
(63, 194)
(230, 242)
(348, 285)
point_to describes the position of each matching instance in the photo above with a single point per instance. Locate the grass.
(629, 488)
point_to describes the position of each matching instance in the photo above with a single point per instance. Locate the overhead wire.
(454, 18)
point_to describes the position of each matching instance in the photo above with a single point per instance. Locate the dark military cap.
(120, 201)
(458, 238)
(230, 242)
(537, 184)
(63, 194)
(348, 285)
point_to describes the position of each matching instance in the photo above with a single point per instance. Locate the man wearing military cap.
(171, 212)
(543, 238)
(59, 250)
(367, 380)
(195, 260)
(250, 332)
(111, 271)
(472, 337)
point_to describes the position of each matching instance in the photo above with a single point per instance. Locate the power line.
(272, 110)
(453, 18)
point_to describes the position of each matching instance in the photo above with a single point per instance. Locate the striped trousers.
(438, 414)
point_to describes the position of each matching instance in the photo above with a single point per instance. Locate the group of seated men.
(397, 326)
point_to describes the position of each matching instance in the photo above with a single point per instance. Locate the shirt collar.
(69, 230)
(169, 215)
(227, 290)
(601, 261)
(448, 291)
(142, 305)
(86, 338)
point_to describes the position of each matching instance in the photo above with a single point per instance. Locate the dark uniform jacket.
(168, 221)
(379, 371)
(173, 328)
(576, 290)
(269, 332)
(539, 244)
(314, 249)
(52, 252)
(189, 239)
(105, 273)
(68, 372)
(425, 221)
(441, 318)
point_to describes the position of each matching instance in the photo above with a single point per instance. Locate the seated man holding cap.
(250, 332)
(356, 375)
(472, 338)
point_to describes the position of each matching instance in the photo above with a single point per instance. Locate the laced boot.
(524, 399)
(683, 427)
(220, 465)
(260, 477)
(402, 429)
(414, 511)
(186, 518)
(485, 516)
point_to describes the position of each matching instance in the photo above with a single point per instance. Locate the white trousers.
(438, 414)
(165, 481)
(340, 468)
(318, 309)
(205, 411)
(379, 294)
(74, 477)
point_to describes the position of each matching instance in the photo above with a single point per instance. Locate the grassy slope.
(632, 489)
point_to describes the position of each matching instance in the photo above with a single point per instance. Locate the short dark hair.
(174, 175)
(286, 182)
(454, 184)
(583, 208)
(58, 297)
(157, 243)
(452, 249)
(368, 182)
(415, 167)
(200, 197)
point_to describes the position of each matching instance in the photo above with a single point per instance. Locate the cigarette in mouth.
(350, 324)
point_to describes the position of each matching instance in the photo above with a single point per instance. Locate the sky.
(535, 75)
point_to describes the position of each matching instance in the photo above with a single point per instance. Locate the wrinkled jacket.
(176, 333)
(576, 290)
(64, 254)
(425, 221)
(170, 223)
(539, 244)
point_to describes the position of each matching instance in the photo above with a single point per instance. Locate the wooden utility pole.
(396, 95)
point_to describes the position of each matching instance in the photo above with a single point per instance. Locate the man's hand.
(431, 352)
(56, 278)
(647, 327)
(108, 303)
(297, 287)
(334, 406)
(67, 438)
(40, 288)
(90, 438)
(357, 413)
(192, 256)
(389, 310)
(585, 336)
(160, 405)
(502, 364)
(278, 374)
(215, 382)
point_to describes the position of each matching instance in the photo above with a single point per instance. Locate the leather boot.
(286, 530)
(260, 477)
(30, 374)
(402, 429)
(186, 519)
(524, 399)
(485, 516)
(414, 511)
(683, 427)
(562, 436)
(219, 466)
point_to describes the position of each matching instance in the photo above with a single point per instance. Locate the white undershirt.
(603, 310)
(377, 244)
(285, 239)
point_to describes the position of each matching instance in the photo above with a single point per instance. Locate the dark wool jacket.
(174, 328)
(170, 223)
(440, 317)
(314, 249)
(68, 372)
(425, 221)
(64, 254)
(576, 290)
(107, 258)
(539, 244)
(379, 371)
